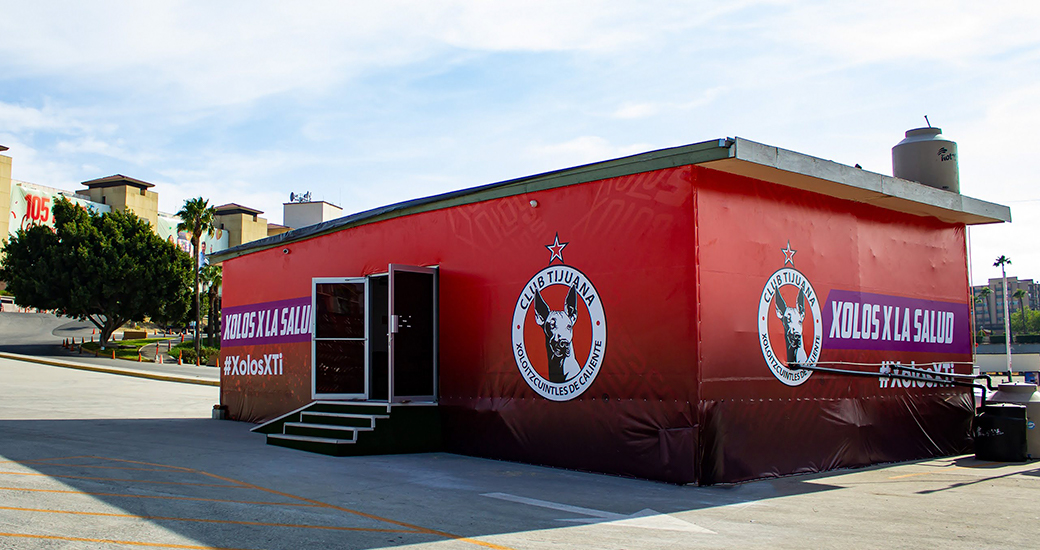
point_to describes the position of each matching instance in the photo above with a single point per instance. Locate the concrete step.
(342, 419)
(329, 431)
(322, 445)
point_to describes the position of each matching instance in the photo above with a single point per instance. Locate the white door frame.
(314, 331)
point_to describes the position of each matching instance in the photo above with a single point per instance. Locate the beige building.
(243, 224)
(5, 193)
(123, 193)
(302, 214)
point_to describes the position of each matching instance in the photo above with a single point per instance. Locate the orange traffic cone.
(180, 357)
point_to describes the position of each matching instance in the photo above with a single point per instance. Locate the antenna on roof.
(926, 121)
(297, 197)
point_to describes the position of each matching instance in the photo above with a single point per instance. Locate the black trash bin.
(1000, 433)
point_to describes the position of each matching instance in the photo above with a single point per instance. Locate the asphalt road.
(91, 460)
(38, 333)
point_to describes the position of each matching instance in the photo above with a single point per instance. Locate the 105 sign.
(37, 211)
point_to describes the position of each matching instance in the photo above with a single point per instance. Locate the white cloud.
(581, 150)
(19, 119)
(369, 103)
(636, 110)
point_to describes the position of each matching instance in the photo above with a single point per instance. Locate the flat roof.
(116, 181)
(732, 155)
(233, 208)
(311, 202)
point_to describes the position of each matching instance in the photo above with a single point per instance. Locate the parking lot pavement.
(90, 460)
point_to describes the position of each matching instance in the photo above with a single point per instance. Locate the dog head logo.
(559, 333)
(794, 329)
(792, 320)
(559, 330)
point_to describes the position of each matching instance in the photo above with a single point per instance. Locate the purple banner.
(860, 320)
(267, 323)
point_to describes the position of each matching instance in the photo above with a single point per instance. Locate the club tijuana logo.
(790, 327)
(559, 330)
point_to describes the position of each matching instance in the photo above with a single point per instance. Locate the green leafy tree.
(1020, 295)
(197, 219)
(104, 268)
(212, 277)
(1026, 324)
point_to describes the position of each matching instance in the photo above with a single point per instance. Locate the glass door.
(339, 348)
(413, 333)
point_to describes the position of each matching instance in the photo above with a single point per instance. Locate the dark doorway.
(413, 327)
(378, 342)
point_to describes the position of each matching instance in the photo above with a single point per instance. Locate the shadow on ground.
(217, 484)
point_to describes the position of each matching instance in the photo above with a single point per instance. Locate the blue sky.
(369, 103)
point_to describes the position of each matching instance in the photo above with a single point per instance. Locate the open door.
(413, 333)
(339, 347)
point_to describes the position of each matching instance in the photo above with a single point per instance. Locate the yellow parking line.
(42, 459)
(916, 474)
(111, 541)
(204, 520)
(222, 485)
(181, 468)
(417, 528)
(413, 528)
(946, 469)
(160, 497)
(107, 467)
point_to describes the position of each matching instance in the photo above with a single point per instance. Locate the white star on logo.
(788, 254)
(557, 249)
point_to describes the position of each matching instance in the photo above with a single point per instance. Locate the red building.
(641, 316)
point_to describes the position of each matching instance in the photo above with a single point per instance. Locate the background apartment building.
(989, 306)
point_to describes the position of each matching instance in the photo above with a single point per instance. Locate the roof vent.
(925, 156)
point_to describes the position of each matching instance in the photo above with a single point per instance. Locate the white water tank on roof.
(925, 156)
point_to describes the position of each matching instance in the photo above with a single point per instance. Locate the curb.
(111, 370)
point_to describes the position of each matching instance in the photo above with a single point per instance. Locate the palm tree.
(1003, 261)
(982, 298)
(212, 277)
(196, 218)
(1020, 295)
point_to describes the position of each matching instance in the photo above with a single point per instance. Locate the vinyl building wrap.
(686, 281)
